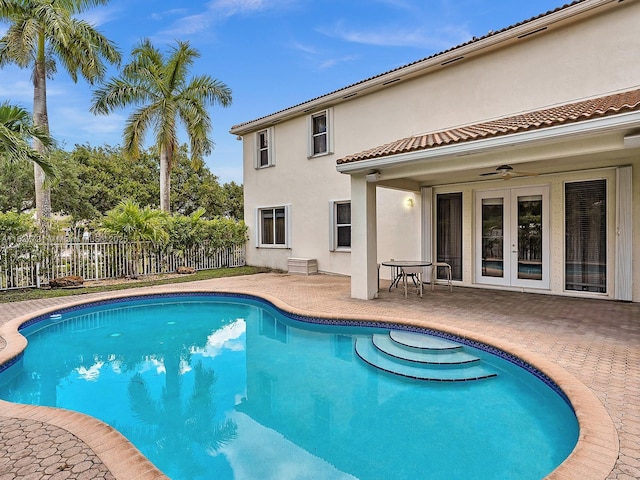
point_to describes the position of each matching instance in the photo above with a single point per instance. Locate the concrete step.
(367, 351)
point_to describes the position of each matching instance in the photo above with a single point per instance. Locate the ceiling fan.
(507, 172)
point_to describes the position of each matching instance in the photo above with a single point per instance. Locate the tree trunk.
(40, 119)
(165, 179)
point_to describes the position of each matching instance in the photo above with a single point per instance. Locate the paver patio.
(595, 341)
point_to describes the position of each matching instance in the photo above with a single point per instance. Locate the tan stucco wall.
(583, 59)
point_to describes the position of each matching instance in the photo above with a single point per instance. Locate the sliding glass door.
(512, 237)
(586, 236)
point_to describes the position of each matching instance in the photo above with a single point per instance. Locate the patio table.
(398, 272)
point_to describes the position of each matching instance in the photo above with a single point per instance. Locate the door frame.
(510, 236)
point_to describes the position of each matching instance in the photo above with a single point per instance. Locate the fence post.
(95, 254)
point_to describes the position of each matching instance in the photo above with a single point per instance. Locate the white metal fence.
(34, 265)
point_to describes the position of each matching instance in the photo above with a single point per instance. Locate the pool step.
(421, 357)
(422, 342)
(430, 356)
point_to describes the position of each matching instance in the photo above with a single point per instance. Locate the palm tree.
(41, 31)
(159, 87)
(16, 129)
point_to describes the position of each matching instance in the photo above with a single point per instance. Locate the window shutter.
(271, 145)
(287, 219)
(332, 227)
(257, 229)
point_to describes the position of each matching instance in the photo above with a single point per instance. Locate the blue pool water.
(230, 388)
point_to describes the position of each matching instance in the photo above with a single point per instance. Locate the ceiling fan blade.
(507, 172)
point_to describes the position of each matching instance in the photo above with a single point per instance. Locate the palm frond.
(137, 125)
(16, 130)
(178, 63)
(79, 6)
(19, 43)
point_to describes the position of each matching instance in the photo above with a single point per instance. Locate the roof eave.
(630, 120)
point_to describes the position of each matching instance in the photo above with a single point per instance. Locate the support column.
(364, 239)
(624, 234)
(426, 227)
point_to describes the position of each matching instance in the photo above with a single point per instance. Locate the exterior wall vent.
(532, 33)
(451, 61)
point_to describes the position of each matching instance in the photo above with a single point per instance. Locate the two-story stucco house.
(514, 157)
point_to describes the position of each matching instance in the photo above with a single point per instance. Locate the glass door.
(528, 265)
(493, 230)
(512, 241)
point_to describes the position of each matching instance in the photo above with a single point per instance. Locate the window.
(320, 133)
(264, 148)
(340, 214)
(449, 234)
(585, 213)
(272, 328)
(273, 227)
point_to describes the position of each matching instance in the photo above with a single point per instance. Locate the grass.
(35, 294)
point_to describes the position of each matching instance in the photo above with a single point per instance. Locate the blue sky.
(272, 53)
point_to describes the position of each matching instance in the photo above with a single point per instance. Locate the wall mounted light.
(408, 202)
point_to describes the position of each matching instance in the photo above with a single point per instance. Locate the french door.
(512, 237)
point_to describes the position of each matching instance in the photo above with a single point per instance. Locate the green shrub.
(13, 226)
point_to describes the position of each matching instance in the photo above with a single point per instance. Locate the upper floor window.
(340, 225)
(264, 148)
(321, 135)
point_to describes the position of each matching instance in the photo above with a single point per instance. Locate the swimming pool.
(231, 385)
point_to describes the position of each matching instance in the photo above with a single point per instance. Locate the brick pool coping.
(593, 457)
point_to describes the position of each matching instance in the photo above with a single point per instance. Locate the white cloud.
(17, 91)
(229, 337)
(100, 16)
(295, 45)
(420, 37)
(332, 62)
(216, 10)
(318, 59)
(167, 13)
(189, 25)
(79, 122)
(90, 374)
(236, 7)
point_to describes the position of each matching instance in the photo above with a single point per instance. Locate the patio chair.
(416, 275)
(434, 274)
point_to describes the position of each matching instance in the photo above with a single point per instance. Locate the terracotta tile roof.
(570, 113)
(469, 42)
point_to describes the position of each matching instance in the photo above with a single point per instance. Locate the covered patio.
(595, 341)
(529, 168)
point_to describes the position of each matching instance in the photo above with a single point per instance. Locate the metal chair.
(416, 275)
(434, 274)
